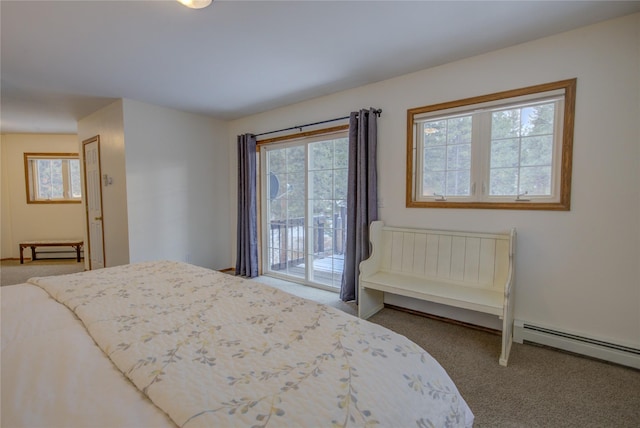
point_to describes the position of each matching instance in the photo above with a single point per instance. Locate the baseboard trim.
(444, 319)
(578, 344)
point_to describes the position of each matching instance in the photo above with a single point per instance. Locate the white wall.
(177, 186)
(169, 197)
(22, 221)
(108, 123)
(576, 270)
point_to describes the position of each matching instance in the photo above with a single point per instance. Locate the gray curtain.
(247, 255)
(362, 196)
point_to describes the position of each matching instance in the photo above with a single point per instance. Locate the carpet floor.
(541, 387)
(12, 272)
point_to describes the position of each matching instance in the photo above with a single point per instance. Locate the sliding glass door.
(304, 191)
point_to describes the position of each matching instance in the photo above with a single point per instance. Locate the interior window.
(52, 177)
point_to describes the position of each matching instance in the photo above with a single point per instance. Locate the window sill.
(547, 206)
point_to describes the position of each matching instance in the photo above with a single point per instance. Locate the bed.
(165, 344)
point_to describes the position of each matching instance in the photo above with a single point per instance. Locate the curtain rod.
(378, 112)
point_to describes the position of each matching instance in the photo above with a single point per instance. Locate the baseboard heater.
(619, 354)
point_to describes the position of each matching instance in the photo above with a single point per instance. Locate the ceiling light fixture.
(196, 4)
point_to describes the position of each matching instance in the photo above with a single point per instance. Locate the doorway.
(304, 195)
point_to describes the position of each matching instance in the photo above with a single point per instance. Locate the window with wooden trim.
(52, 178)
(509, 150)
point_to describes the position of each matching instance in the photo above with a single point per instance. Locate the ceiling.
(63, 60)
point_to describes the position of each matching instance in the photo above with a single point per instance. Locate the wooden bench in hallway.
(76, 244)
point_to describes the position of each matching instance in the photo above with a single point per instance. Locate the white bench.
(468, 270)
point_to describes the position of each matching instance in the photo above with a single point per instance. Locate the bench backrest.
(468, 258)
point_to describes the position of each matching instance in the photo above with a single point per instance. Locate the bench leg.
(77, 247)
(21, 254)
(507, 329)
(33, 253)
(369, 302)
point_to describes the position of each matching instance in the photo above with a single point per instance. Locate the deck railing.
(287, 239)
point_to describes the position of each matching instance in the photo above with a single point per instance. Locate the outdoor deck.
(288, 249)
(326, 270)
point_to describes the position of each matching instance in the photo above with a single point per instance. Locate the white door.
(93, 187)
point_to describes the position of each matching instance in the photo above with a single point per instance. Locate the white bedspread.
(210, 349)
(53, 374)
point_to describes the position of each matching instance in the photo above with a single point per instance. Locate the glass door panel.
(305, 202)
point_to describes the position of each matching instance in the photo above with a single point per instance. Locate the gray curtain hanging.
(247, 254)
(362, 196)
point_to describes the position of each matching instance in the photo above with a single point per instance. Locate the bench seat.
(432, 290)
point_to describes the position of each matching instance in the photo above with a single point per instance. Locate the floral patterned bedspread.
(211, 349)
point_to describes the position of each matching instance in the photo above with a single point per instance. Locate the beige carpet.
(541, 387)
(12, 272)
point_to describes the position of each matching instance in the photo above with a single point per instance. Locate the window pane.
(294, 259)
(295, 195)
(447, 156)
(57, 180)
(296, 159)
(74, 170)
(287, 201)
(320, 239)
(341, 182)
(322, 208)
(537, 151)
(278, 208)
(535, 180)
(459, 130)
(321, 155)
(435, 133)
(458, 183)
(276, 160)
(50, 183)
(503, 182)
(341, 157)
(277, 232)
(435, 159)
(505, 124)
(322, 184)
(538, 119)
(459, 157)
(43, 184)
(504, 153)
(433, 183)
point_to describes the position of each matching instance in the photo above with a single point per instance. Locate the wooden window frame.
(564, 203)
(30, 185)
